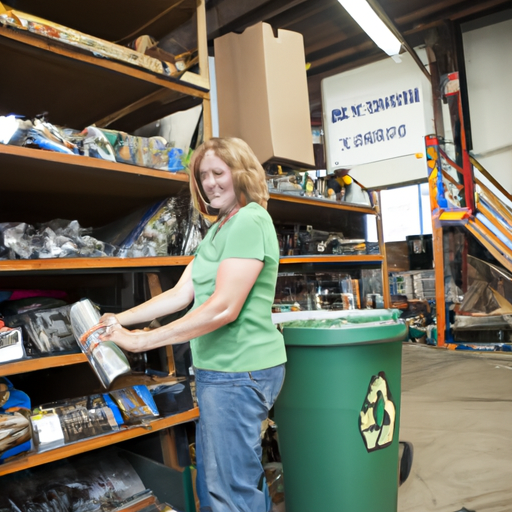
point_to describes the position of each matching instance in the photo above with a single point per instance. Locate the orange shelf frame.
(324, 203)
(40, 363)
(332, 258)
(92, 263)
(88, 162)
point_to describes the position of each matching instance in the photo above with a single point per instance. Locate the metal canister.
(106, 359)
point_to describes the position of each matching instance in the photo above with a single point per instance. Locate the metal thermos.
(106, 358)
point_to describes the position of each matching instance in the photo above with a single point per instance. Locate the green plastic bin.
(338, 412)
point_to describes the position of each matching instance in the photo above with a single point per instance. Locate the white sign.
(377, 113)
(370, 128)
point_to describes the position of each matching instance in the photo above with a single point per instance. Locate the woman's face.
(217, 182)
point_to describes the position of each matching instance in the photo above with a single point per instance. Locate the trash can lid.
(345, 328)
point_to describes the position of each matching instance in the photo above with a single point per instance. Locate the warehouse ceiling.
(333, 41)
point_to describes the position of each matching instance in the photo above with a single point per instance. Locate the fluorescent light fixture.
(368, 20)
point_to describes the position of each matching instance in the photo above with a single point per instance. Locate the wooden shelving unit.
(103, 92)
(77, 89)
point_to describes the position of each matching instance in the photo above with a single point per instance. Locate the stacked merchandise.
(54, 424)
(316, 291)
(71, 420)
(111, 145)
(104, 482)
(35, 324)
(146, 54)
(298, 241)
(338, 187)
(169, 228)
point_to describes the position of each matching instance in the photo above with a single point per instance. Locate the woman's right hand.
(109, 319)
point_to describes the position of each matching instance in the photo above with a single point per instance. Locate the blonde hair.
(249, 179)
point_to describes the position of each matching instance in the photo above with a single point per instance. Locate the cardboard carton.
(263, 95)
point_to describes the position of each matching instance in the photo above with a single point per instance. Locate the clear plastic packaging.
(55, 239)
(11, 344)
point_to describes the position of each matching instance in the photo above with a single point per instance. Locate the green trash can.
(338, 413)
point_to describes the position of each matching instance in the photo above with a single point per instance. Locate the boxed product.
(262, 93)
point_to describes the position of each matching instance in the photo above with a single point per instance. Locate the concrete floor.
(457, 413)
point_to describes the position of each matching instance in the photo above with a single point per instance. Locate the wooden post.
(155, 288)
(202, 53)
(382, 248)
(437, 242)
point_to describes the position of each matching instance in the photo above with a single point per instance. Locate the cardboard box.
(397, 256)
(263, 94)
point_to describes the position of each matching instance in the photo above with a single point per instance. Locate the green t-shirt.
(251, 342)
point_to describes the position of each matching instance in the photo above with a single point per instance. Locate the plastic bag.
(58, 238)
(46, 331)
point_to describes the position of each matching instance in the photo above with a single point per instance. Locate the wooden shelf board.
(41, 363)
(328, 216)
(86, 162)
(362, 258)
(56, 185)
(167, 261)
(79, 89)
(77, 54)
(92, 263)
(86, 445)
(324, 203)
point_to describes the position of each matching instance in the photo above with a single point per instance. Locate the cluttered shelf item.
(327, 288)
(19, 20)
(170, 227)
(136, 96)
(36, 459)
(119, 479)
(53, 185)
(320, 201)
(33, 435)
(103, 144)
(337, 187)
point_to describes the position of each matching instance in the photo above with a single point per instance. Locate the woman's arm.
(235, 279)
(170, 301)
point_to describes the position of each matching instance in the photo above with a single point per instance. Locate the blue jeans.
(232, 406)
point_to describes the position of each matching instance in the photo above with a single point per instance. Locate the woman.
(237, 352)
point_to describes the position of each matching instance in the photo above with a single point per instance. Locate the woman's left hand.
(132, 341)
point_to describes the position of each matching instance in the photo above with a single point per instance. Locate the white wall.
(488, 60)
